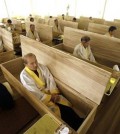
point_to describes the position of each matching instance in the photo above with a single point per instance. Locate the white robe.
(44, 94)
(30, 84)
(85, 53)
(34, 36)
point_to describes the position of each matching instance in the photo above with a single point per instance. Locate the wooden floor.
(107, 120)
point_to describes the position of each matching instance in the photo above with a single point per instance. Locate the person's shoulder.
(23, 72)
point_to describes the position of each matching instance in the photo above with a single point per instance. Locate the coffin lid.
(83, 77)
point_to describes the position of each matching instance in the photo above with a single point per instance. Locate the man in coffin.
(32, 33)
(39, 81)
(83, 50)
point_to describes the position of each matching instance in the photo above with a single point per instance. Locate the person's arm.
(50, 82)
(37, 36)
(29, 84)
(78, 52)
(91, 57)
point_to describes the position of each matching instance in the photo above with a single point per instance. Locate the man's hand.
(55, 98)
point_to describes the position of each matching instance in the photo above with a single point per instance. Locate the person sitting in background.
(39, 81)
(63, 16)
(111, 31)
(83, 49)
(90, 18)
(32, 33)
(32, 19)
(74, 19)
(9, 26)
(57, 28)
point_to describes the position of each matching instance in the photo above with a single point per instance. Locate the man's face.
(86, 44)
(32, 27)
(113, 32)
(32, 63)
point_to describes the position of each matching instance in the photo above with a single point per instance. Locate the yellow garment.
(46, 100)
(34, 76)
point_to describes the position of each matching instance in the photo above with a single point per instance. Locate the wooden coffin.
(71, 75)
(7, 53)
(11, 40)
(98, 28)
(105, 49)
(102, 29)
(98, 20)
(112, 23)
(45, 32)
(64, 23)
(18, 118)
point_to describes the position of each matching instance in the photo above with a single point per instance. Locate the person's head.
(50, 17)
(90, 18)
(9, 21)
(30, 61)
(32, 27)
(32, 19)
(63, 16)
(112, 30)
(85, 40)
(74, 19)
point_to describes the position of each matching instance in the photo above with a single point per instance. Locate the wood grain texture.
(64, 23)
(7, 38)
(105, 49)
(45, 31)
(61, 64)
(102, 29)
(112, 23)
(98, 28)
(12, 76)
(98, 20)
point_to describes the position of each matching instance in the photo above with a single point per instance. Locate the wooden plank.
(7, 38)
(98, 28)
(102, 29)
(55, 59)
(64, 23)
(45, 31)
(103, 47)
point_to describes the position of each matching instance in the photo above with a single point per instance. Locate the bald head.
(30, 61)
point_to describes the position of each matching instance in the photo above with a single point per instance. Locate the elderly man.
(32, 33)
(39, 81)
(83, 49)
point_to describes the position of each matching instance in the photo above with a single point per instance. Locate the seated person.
(83, 49)
(90, 18)
(9, 26)
(63, 16)
(57, 28)
(39, 81)
(32, 19)
(74, 20)
(111, 31)
(32, 33)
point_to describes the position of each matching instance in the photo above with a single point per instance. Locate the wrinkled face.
(32, 63)
(86, 44)
(32, 28)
